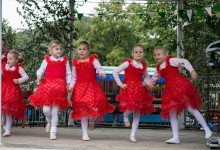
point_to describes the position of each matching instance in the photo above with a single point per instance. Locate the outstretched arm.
(179, 62)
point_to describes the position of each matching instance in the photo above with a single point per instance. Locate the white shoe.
(6, 134)
(208, 135)
(133, 140)
(85, 138)
(53, 137)
(47, 128)
(173, 141)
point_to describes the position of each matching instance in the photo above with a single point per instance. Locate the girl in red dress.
(52, 90)
(88, 98)
(134, 97)
(13, 104)
(179, 92)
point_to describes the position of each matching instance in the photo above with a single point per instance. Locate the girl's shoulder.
(48, 59)
(168, 59)
(93, 56)
(128, 60)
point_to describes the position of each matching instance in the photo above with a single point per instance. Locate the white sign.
(109, 70)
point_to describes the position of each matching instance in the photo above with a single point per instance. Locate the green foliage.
(200, 32)
(117, 28)
(9, 34)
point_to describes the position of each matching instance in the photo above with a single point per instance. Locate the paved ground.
(101, 139)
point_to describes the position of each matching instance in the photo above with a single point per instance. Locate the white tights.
(84, 124)
(198, 116)
(51, 113)
(8, 122)
(135, 123)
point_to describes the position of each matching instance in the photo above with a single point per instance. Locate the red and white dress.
(12, 101)
(179, 92)
(88, 98)
(52, 89)
(135, 97)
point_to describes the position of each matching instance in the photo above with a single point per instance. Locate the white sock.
(174, 124)
(54, 115)
(135, 123)
(8, 123)
(53, 131)
(84, 124)
(199, 118)
(126, 114)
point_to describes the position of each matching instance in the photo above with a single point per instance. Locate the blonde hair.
(138, 45)
(54, 43)
(17, 55)
(162, 48)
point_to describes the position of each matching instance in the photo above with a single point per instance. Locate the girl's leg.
(91, 123)
(3, 119)
(47, 113)
(8, 125)
(174, 126)
(201, 120)
(126, 119)
(54, 121)
(84, 124)
(135, 124)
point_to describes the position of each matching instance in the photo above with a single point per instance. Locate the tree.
(9, 34)
(201, 31)
(52, 21)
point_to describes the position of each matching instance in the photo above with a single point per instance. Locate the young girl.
(52, 90)
(88, 98)
(12, 102)
(179, 93)
(134, 97)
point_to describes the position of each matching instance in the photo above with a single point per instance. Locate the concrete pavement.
(69, 138)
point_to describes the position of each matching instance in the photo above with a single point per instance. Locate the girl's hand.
(39, 79)
(67, 86)
(16, 81)
(144, 84)
(70, 89)
(194, 75)
(101, 75)
(123, 86)
(150, 86)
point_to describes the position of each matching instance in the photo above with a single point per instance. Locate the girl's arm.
(68, 73)
(154, 79)
(99, 68)
(119, 69)
(146, 76)
(179, 62)
(41, 71)
(42, 68)
(73, 78)
(24, 76)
